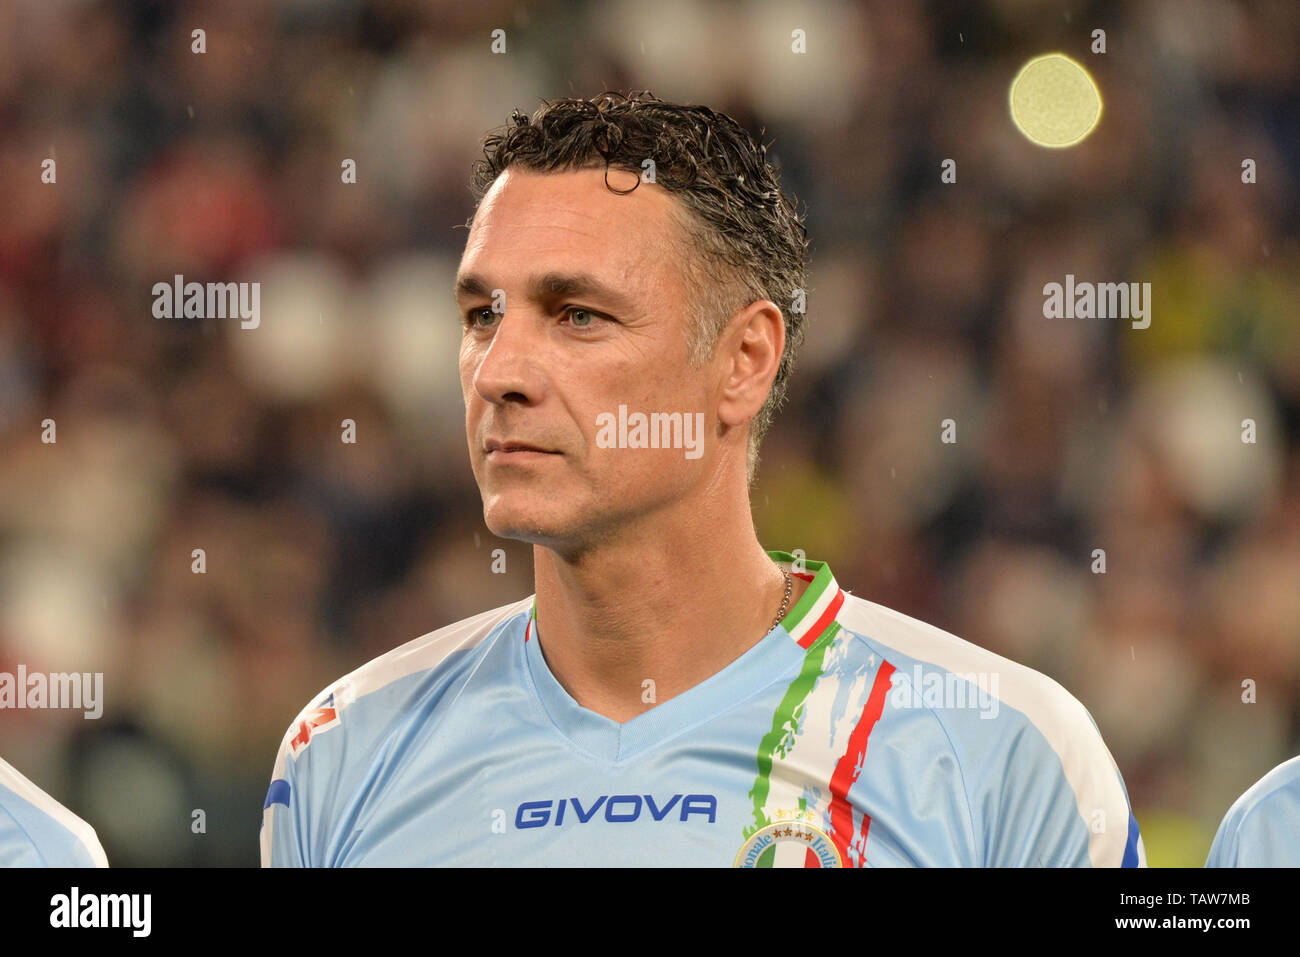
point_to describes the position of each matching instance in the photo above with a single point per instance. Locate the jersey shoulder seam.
(1045, 690)
(420, 654)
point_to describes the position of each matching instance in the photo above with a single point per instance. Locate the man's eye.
(581, 318)
(474, 316)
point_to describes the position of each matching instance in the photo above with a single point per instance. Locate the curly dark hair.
(749, 237)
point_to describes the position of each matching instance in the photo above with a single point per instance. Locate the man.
(1262, 828)
(38, 831)
(631, 293)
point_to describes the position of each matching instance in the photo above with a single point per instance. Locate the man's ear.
(750, 351)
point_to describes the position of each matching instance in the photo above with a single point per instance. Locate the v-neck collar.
(772, 656)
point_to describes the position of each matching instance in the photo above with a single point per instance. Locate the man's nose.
(511, 367)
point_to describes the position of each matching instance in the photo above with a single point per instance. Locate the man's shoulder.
(429, 651)
(1007, 725)
(927, 658)
(38, 831)
(1282, 781)
(435, 656)
(1275, 795)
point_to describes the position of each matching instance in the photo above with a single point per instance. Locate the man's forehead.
(574, 210)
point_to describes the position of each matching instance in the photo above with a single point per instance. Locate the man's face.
(594, 315)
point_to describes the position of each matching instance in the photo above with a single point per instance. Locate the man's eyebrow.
(550, 286)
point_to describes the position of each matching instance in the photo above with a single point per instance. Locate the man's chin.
(521, 526)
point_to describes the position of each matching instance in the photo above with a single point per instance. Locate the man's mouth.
(500, 449)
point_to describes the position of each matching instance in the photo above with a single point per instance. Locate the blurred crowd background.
(926, 303)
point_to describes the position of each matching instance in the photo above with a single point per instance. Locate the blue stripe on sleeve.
(278, 793)
(1130, 848)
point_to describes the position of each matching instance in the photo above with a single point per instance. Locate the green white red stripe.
(808, 624)
(817, 607)
(814, 754)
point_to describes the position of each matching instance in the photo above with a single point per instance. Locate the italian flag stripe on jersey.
(787, 854)
(811, 623)
(816, 749)
(813, 613)
(849, 766)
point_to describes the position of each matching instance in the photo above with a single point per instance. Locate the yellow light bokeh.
(1054, 101)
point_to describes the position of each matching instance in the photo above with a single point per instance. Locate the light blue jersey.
(851, 735)
(38, 831)
(1262, 828)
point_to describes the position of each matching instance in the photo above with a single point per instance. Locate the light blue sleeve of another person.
(1262, 828)
(38, 831)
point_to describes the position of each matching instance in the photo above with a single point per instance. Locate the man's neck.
(629, 626)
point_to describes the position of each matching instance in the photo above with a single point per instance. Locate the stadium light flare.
(1054, 101)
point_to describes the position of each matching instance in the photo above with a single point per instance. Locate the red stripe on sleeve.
(850, 765)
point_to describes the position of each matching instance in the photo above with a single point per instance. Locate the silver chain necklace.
(789, 584)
